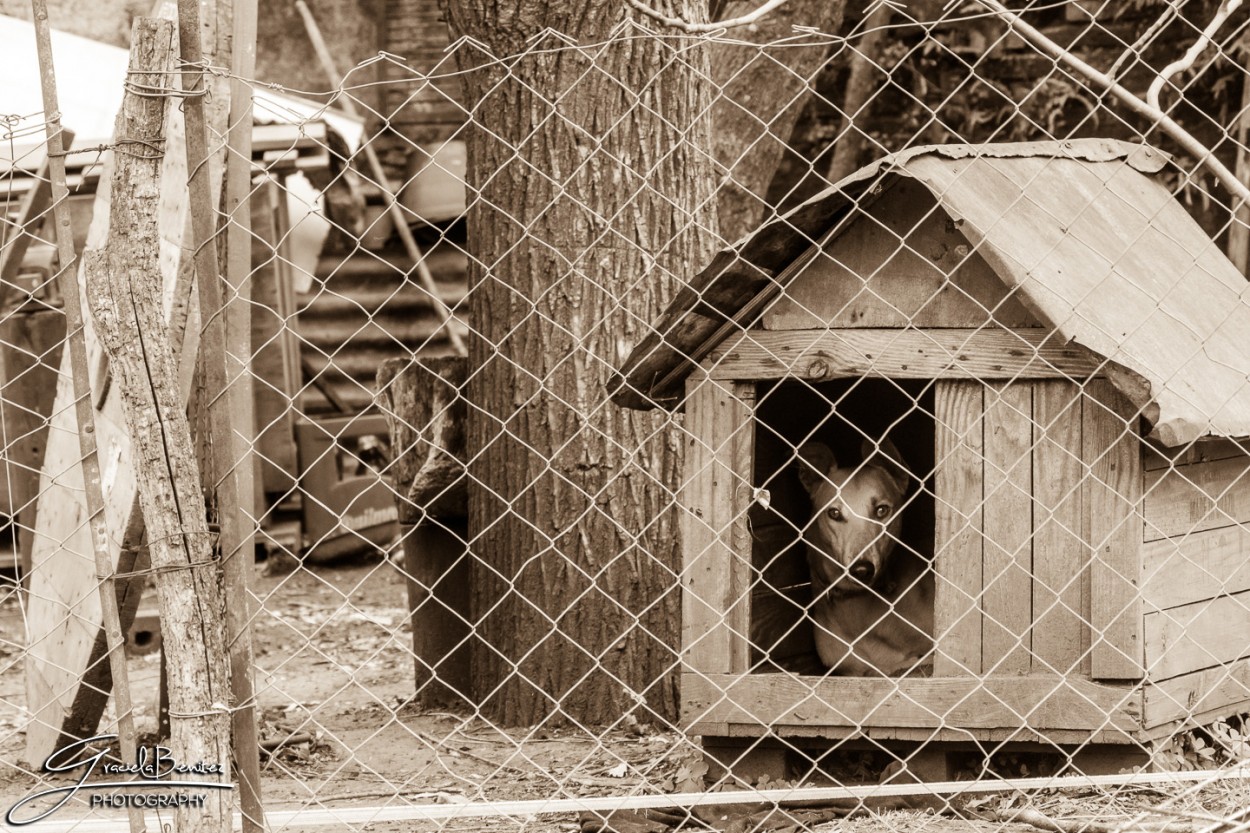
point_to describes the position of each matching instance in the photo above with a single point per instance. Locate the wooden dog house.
(1071, 353)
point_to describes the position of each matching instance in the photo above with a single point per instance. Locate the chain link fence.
(743, 430)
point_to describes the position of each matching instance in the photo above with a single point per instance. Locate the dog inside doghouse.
(843, 528)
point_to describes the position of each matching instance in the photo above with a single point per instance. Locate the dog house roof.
(1092, 241)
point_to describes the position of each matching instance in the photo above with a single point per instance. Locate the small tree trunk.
(124, 292)
(425, 415)
(861, 85)
(763, 93)
(591, 200)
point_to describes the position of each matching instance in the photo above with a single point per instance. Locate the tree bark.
(591, 199)
(124, 292)
(425, 416)
(763, 93)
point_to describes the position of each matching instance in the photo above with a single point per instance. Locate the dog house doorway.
(842, 414)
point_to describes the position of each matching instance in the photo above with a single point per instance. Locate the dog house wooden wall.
(1078, 333)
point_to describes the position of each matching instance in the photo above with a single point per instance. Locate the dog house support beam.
(957, 353)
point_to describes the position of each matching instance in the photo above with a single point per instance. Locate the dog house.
(1062, 357)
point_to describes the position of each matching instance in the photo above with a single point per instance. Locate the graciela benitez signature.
(154, 767)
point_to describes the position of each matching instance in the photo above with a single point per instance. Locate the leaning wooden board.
(63, 613)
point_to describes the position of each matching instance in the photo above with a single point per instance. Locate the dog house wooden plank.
(715, 532)
(1196, 497)
(905, 263)
(1008, 601)
(1060, 557)
(1217, 692)
(923, 735)
(1196, 636)
(958, 409)
(900, 354)
(1112, 451)
(1162, 457)
(1190, 568)
(1033, 702)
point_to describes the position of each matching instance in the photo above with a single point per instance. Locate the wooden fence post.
(237, 537)
(234, 474)
(124, 291)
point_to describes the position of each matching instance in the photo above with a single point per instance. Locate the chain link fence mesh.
(899, 444)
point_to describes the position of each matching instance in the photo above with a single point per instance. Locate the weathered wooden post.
(425, 412)
(123, 285)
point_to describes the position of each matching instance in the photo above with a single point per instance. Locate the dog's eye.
(835, 513)
(883, 510)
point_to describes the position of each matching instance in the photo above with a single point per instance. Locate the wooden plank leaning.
(150, 54)
(67, 672)
(81, 672)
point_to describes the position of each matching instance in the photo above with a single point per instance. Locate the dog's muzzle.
(863, 571)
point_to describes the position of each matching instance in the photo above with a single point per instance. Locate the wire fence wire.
(758, 501)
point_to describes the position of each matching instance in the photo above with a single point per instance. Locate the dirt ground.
(333, 653)
(334, 674)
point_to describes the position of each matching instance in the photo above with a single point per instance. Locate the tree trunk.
(763, 94)
(591, 197)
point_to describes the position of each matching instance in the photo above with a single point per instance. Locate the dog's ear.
(815, 461)
(885, 456)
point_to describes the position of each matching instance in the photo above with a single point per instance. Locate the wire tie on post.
(158, 91)
(165, 569)
(147, 90)
(154, 144)
(213, 561)
(213, 710)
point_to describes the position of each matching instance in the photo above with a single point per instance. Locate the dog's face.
(855, 514)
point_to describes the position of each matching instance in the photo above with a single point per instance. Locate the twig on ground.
(436, 747)
(275, 744)
(442, 796)
(1210, 819)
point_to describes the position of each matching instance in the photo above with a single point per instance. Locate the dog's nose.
(863, 571)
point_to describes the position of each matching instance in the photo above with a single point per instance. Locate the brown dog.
(872, 602)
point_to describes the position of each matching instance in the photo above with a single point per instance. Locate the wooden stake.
(233, 497)
(379, 173)
(1239, 228)
(124, 290)
(237, 535)
(82, 395)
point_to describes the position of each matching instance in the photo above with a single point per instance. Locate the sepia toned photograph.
(625, 416)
